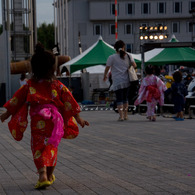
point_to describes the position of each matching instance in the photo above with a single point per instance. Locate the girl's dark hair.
(118, 47)
(43, 63)
(156, 70)
(149, 69)
(177, 76)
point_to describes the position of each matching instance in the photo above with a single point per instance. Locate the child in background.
(178, 91)
(152, 90)
(53, 111)
(23, 79)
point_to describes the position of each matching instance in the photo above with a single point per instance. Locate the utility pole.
(116, 22)
(66, 27)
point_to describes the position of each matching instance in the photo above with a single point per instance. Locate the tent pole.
(142, 60)
(80, 50)
(66, 26)
(69, 82)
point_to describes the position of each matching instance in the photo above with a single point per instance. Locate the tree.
(45, 35)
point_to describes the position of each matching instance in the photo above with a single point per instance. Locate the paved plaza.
(134, 157)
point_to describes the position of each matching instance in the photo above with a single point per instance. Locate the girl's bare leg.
(120, 111)
(50, 171)
(42, 174)
(181, 114)
(125, 108)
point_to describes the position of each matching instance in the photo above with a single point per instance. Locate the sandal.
(42, 185)
(120, 119)
(149, 117)
(53, 179)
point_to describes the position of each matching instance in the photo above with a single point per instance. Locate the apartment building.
(92, 18)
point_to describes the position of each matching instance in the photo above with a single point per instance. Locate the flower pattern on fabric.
(14, 101)
(40, 124)
(37, 154)
(67, 106)
(32, 90)
(13, 132)
(54, 93)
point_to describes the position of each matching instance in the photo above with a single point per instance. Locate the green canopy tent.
(97, 54)
(174, 56)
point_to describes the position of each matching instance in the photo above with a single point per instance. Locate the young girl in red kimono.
(53, 111)
(152, 91)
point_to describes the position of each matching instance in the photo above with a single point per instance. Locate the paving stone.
(134, 157)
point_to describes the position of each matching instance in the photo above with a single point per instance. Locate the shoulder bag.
(132, 72)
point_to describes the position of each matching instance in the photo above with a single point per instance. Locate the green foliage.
(45, 35)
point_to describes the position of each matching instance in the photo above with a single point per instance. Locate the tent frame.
(149, 46)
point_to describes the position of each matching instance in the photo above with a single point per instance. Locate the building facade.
(92, 18)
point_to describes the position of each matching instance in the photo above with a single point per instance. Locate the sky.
(45, 11)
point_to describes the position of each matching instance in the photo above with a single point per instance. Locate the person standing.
(152, 91)
(178, 91)
(119, 64)
(53, 110)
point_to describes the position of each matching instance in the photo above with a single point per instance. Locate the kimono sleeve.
(162, 88)
(70, 105)
(142, 86)
(161, 85)
(142, 93)
(18, 99)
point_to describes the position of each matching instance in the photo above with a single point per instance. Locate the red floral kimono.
(52, 108)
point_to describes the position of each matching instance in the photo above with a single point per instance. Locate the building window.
(145, 8)
(97, 29)
(161, 8)
(190, 27)
(130, 8)
(175, 27)
(112, 29)
(128, 29)
(129, 48)
(112, 9)
(177, 7)
(192, 4)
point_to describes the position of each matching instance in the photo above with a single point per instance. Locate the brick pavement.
(134, 157)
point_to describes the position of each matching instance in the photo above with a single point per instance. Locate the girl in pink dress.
(152, 91)
(53, 110)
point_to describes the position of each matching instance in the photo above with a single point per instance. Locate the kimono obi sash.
(153, 92)
(50, 112)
